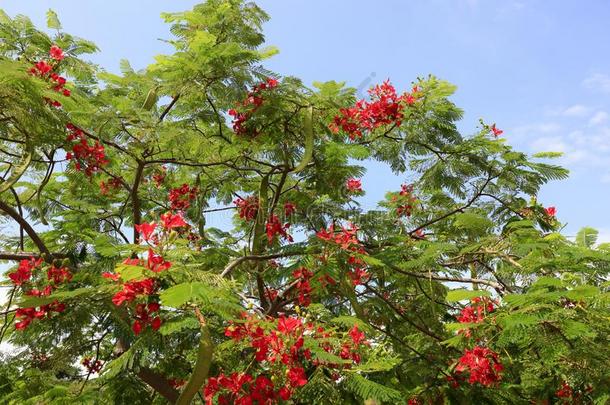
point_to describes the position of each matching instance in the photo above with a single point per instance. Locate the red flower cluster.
(483, 365)
(159, 176)
(565, 391)
(180, 198)
(23, 275)
(242, 389)
(113, 183)
(282, 347)
(88, 157)
(550, 211)
(143, 317)
(42, 70)
(56, 53)
(289, 209)
(385, 107)
(405, 200)
(24, 271)
(274, 227)
(146, 230)
(92, 366)
(27, 315)
(303, 286)
(132, 289)
(171, 221)
(250, 104)
(347, 239)
(354, 185)
(248, 207)
(476, 313)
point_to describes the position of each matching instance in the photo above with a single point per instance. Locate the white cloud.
(598, 81)
(577, 110)
(598, 118)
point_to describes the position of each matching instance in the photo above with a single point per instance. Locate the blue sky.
(539, 69)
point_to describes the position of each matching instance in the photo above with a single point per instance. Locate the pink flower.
(550, 211)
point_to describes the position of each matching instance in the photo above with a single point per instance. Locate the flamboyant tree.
(458, 288)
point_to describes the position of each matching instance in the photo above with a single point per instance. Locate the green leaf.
(462, 294)
(174, 326)
(129, 272)
(367, 389)
(586, 237)
(53, 20)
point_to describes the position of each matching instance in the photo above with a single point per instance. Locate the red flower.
(497, 132)
(24, 271)
(285, 393)
(181, 197)
(356, 335)
(565, 391)
(248, 208)
(146, 230)
(274, 227)
(289, 208)
(483, 365)
(156, 262)
(172, 220)
(297, 377)
(56, 53)
(550, 211)
(137, 327)
(354, 185)
(41, 68)
(288, 325)
(111, 276)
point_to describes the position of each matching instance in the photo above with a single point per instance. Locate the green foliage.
(476, 230)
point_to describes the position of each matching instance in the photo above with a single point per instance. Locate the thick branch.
(27, 228)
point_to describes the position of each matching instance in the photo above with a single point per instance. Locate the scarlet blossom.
(56, 53)
(159, 177)
(288, 325)
(483, 365)
(146, 230)
(171, 221)
(274, 227)
(41, 68)
(27, 315)
(297, 377)
(24, 270)
(58, 275)
(252, 103)
(133, 289)
(354, 185)
(87, 157)
(111, 276)
(289, 208)
(497, 132)
(550, 211)
(356, 335)
(180, 198)
(385, 107)
(303, 286)
(113, 183)
(565, 391)
(156, 262)
(92, 366)
(248, 207)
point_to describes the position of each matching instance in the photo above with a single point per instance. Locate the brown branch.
(27, 228)
(135, 200)
(169, 107)
(242, 259)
